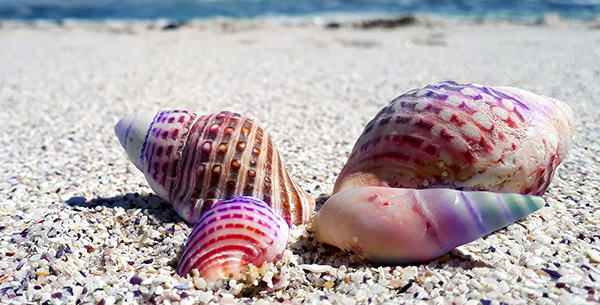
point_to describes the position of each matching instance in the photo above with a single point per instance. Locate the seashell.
(391, 225)
(466, 137)
(193, 161)
(231, 235)
(444, 137)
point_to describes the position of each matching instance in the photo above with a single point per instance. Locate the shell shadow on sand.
(150, 204)
(144, 220)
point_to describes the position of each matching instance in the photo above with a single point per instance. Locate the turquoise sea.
(245, 9)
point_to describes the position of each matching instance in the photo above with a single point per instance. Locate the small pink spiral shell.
(231, 235)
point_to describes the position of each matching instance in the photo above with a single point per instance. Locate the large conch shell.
(466, 137)
(193, 161)
(391, 225)
(447, 136)
(231, 235)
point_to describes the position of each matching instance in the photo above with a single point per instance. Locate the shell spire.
(193, 161)
(391, 225)
(467, 137)
(231, 235)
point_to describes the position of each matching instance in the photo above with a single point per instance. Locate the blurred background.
(186, 10)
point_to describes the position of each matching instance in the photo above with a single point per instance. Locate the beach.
(79, 223)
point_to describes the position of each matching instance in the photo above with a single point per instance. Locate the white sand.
(71, 227)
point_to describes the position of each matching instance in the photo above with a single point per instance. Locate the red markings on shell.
(194, 161)
(231, 235)
(462, 136)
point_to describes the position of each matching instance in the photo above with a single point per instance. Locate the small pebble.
(315, 268)
(135, 280)
(594, 255)
(552, 273)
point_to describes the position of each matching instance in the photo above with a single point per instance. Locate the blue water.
(244, 9)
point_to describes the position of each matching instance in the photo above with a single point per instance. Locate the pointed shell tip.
(122, 128)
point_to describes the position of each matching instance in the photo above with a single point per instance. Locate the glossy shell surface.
(466, 137)
(231, 235)
(399, 226)
(193, 161)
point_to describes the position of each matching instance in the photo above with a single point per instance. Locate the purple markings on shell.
(467, 137)
(194, 161)
(231, 235)
(392, 225)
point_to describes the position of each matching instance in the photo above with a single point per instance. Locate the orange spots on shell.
(222, 148)
(245, 131)
(214, 127)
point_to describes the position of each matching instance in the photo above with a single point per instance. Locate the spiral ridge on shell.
(231, 235)
(467, 137)
(193, 161)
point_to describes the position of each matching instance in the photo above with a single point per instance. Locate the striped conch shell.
(443, 137)
(231, 235)
(467, 137)
(193, 161)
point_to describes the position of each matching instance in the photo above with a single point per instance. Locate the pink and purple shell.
(193, 161)
(462, 136)
(400, 226)
(231, 235)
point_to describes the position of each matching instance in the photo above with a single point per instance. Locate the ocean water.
(245, 9)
